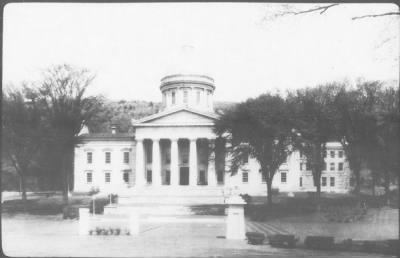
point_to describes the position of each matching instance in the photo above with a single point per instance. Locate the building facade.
(176, 149)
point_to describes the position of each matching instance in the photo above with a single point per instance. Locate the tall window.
(89, 157)
(149, 176)
(332, 166)
(340, 154)
(301, 182)
(283, 177)
(198, 96)
(332, 183)
(340, 166)
(323, 181)
(185, 96)
(108, 157)
(107, 177)
(167, 177)
(245, 177)
(126, 157)
(173, 97)
(332, 154)
(125, 176)
(89, 177)
(149, 155)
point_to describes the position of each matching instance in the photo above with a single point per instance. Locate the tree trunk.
(357, 186)
(269, 192)
(23, 190)
(373, 183)
(387, 186)
(64, 176)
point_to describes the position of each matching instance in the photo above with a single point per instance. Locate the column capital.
(156, 139)
(193, 138)
(174, 139)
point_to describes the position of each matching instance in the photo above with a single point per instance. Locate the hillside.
(122, 112)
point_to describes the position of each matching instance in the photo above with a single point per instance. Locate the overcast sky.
(243, 46)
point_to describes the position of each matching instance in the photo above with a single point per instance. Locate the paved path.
(40, 236)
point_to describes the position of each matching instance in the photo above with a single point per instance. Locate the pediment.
(183, 116)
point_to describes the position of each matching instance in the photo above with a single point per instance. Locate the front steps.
(167, 200)
(177, 195)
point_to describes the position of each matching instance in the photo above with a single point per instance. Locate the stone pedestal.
(84, 222)
(235, 224)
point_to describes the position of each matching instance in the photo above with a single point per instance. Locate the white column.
(212, 178)
(193, 162)
(156, 166)
(139, 163)
(174, 162)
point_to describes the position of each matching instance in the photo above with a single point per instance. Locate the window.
(245, 177)
(332, 166)
(185, 96)
(324, 168)
(125, 177)
(301, 166)
(89, 157)
(246, 158)
(332, 183)
(149, 155)
(149, 176)
(126, 157)
(108, 157)
(107, 177)
(202, 178)
(340, 154)
(340, 166)
(308, 166)
(220, 176)
(301, 182)
(89, 177)
(198, 97)
(167, 177)
(332, 154)
(185, 158)
(173, 97)
(283, 177)
(323, 181)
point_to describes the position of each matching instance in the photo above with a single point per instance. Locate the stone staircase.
(167, 195)
(166, 200)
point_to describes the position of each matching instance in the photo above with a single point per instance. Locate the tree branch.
(375, 15)
(320, 9)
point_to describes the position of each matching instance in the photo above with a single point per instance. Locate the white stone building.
(175, 152)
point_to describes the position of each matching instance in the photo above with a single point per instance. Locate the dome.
(187, 61)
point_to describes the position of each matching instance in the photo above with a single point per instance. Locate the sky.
(246, 47)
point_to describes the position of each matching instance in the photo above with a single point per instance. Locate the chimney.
(113, 129)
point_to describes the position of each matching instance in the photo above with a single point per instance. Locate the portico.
(176, 162)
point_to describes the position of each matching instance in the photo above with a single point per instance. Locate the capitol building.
(175, 153)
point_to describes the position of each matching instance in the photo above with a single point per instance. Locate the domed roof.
(188, 61)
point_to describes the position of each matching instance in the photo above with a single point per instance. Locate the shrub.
(275, 191)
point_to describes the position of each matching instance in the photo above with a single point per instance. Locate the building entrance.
(184, 176)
